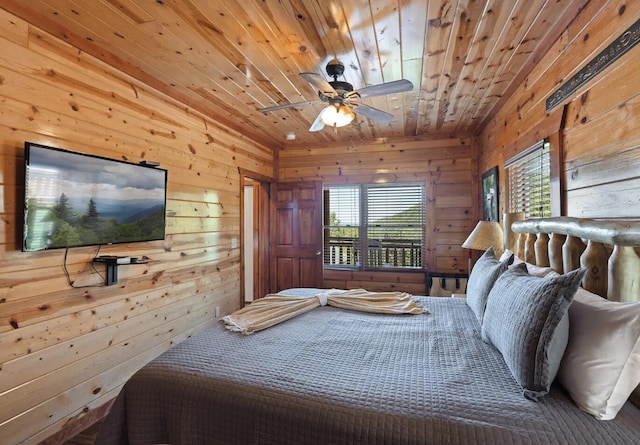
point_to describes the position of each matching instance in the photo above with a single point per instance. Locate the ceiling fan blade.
(317, 124)
(373, 113)
(282, 107)
(320, 83)
(397, 86)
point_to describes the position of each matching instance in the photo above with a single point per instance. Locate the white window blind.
(342, 226)
(374, 226)
(529, 181)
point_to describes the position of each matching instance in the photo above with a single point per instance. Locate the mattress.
(332, 376)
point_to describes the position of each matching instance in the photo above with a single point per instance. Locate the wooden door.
(296, 228)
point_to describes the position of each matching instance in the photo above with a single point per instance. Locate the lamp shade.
(486, 234)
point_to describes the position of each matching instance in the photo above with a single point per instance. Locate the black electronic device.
(73, 199)
(113, 259)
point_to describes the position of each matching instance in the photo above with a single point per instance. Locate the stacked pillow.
(635, 397)
(601, 366)
(545, 325)
(525, 319)
(537, 271)
(483, 275)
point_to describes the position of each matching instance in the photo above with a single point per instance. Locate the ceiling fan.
(343, 100)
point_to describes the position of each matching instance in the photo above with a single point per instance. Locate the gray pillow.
(525, 319)
(635, 397)
(483, 275)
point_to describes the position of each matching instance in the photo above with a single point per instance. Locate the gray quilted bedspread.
(332, 376)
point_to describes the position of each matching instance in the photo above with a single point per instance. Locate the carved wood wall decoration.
(610, 54)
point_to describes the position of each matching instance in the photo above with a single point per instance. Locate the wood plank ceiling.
(229, 58)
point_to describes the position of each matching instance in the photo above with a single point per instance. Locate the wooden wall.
(66, 351)
(600, 171)
(444, 163)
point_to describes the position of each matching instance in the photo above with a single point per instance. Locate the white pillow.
(601, 365)
(508, 256)
(534, 270)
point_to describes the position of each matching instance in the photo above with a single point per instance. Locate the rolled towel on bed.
(276, 308)
(376, 302)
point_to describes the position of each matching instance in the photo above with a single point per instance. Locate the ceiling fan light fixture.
(337, 116)
(340, 97)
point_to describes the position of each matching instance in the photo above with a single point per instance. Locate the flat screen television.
(74, 199)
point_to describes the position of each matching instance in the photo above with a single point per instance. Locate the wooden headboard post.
(509, 237)
(571, 251)
(556, 243)
(542, 250)
(530, 248)
(624, 272)
(611, 253)
(595, 259)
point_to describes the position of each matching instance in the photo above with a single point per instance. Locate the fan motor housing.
(334, 68)
(341, 86)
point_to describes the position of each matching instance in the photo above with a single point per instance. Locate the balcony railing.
(345, 251)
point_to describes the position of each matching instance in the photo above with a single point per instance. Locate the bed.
(334, 376)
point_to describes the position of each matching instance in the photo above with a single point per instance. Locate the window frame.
(526, 160)
(363, 227)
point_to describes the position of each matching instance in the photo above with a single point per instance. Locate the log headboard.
(609, 249)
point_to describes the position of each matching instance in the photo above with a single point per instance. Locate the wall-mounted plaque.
(611, 53)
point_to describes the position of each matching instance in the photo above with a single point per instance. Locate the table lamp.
(486, 234)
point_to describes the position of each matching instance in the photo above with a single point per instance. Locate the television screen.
(73, 199)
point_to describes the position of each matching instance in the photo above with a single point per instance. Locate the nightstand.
(442, 284)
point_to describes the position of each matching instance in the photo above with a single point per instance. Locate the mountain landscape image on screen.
(63, 225)
(78, 200)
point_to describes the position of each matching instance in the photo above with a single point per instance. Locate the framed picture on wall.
(490, 194)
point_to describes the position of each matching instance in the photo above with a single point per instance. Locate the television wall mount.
(112, 262)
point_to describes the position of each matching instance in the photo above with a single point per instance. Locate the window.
(374, 226)
(529, 181)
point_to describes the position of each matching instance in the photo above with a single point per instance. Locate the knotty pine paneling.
(411, 282)
(600, 171)
(65, 351)
(229, 59)
(445, 164)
